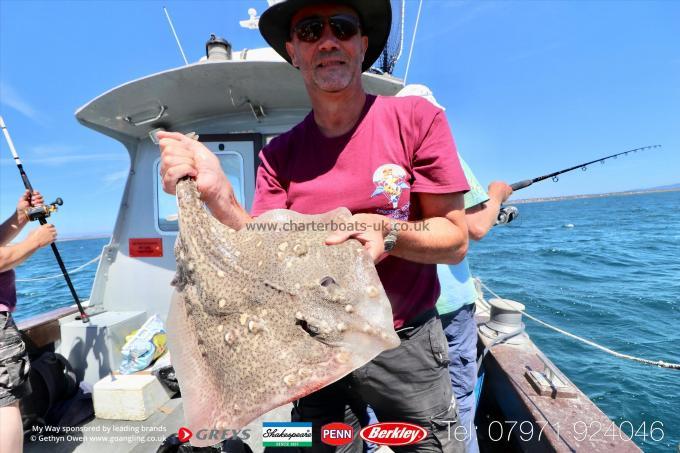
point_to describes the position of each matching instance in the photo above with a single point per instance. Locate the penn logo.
(337, 434)
(184, 434)
(393, 434)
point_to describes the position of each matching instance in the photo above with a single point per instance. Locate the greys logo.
(223, 434)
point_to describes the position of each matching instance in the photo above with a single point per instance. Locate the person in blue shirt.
(456, 303)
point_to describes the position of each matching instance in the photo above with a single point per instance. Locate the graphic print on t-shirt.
(390, 179)
(396, 214)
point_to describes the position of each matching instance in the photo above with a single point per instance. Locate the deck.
(563, 420)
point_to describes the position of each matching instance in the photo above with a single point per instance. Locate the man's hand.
(43, 235)
(182, 156)
(500, 191)
(369, 229)
(26, 201)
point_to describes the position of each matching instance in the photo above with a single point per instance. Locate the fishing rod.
(527, 182)
(508, 213)
(40, 213)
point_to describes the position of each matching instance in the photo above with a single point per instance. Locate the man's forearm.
(13, 255)
(432, 241)
(228, 211)
(481, 218)
(10, 228)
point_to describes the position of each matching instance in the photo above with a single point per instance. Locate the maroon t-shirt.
(400, 146)
(8, 292)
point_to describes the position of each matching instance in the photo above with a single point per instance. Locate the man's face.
(329, 64)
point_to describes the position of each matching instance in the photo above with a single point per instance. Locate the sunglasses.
(343, 27)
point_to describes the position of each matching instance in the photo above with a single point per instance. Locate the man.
(14, 363)
(393, 163)
(456, 304)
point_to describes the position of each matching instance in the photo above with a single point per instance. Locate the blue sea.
(607, 269)
(39, 296)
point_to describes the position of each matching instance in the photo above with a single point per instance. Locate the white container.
(128, 397)
(93, 349)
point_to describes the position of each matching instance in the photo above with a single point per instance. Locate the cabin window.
(166, 205)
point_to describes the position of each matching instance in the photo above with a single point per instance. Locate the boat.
(237, 101)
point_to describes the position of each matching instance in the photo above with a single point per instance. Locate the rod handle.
(27, 183)
(521, 184)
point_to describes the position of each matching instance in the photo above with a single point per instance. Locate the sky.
(529, 87)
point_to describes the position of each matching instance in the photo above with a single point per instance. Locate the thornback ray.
(268, 314)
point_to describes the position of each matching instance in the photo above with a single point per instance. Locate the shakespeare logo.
(292, 434)
(390, 180)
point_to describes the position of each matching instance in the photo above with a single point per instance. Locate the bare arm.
(482, 217)
(13, 255)
(441, 237)
(10, 228)
(228, 211)
(17, 221)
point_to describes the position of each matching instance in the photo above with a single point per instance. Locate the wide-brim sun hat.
(375, 15)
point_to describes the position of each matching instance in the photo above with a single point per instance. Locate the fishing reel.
(507, 214)
(43, 211)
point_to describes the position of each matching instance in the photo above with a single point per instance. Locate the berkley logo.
(393, 434)
(337, 434)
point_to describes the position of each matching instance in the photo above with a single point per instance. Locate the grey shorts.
(407, 384)
(14, 364)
